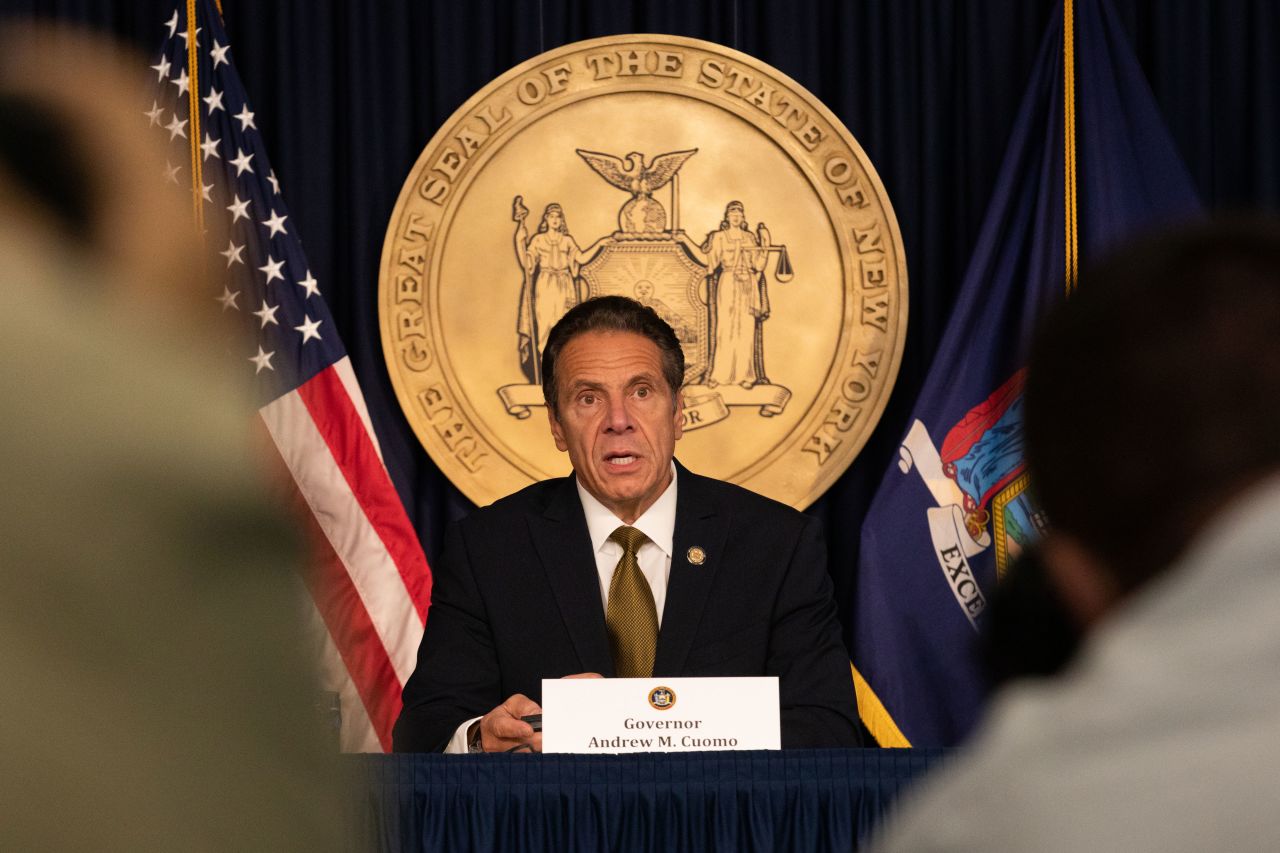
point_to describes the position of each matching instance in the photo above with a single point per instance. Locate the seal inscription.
(647, 166)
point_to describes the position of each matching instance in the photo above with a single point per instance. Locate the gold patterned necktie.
(631, 617)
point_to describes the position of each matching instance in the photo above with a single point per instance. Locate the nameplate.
(593, 715)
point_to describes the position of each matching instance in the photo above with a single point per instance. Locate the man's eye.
(589, 399)
(642, 392)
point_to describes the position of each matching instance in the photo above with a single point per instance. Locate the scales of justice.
(713, 292)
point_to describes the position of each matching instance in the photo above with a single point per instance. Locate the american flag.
(368, 577)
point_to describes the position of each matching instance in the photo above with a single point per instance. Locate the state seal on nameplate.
(662, 698)
(647, 166)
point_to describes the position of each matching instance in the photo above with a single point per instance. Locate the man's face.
(617, 419)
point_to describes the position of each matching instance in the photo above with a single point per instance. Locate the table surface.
(810, 800)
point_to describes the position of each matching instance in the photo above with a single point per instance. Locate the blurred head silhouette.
(1151, 404)
(156, 692)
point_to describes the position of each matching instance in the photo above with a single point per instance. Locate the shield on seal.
(661, 275)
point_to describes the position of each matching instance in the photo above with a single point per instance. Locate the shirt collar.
(658, 521)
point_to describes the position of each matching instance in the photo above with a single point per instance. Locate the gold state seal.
(647, 166)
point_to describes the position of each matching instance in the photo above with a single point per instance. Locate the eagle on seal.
(642, 214)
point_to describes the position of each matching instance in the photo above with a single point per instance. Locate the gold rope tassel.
(1071, 248)
(193, 114)
(874, 715)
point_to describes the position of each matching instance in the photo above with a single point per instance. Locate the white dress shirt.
(658, 523)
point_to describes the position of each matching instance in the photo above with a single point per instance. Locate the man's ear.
(1081, 579)
(557, 432)
(679, 413)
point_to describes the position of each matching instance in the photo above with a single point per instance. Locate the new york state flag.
(1088, 162)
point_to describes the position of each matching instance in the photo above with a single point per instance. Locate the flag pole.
(1071, 246)
(193, 114)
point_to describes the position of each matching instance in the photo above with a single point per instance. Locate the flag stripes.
(354, 452)
(353, 637)
(352, 534)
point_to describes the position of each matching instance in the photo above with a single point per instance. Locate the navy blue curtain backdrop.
(347, 94)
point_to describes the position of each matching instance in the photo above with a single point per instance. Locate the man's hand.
(502, 730)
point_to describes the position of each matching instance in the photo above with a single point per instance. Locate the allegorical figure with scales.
(739, 298)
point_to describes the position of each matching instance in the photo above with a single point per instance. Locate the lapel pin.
(696, 555)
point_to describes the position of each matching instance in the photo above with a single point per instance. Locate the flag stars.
(272, 269)
(172, 23)
(245, 118)
(267, 314)
(182, 81)
(309, 328)
(234, 254)
(176, 128)
(213, 101)
(275, 185)
(242, 162)
(171, 172)
(239, 209)
(206, 191)
(262, 360)
(183, 35)
(162, 69)
(276, 224)
(219, 53)
(310, 285)
(210, 147)
(228, 298)
(155, 113)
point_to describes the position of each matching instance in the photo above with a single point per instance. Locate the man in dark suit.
(634, 566)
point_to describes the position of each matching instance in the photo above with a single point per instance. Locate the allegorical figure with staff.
(550, 260)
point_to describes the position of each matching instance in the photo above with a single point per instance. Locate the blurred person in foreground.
(1153, 437)
(156, 696)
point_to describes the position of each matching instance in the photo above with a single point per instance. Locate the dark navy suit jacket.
(516, 598)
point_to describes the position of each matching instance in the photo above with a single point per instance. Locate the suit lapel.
(700, 523)
(564, 547)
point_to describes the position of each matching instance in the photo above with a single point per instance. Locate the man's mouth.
(619, 460)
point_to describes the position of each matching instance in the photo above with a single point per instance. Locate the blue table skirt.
(803, 800)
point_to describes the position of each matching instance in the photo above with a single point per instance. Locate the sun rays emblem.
(669, 284)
